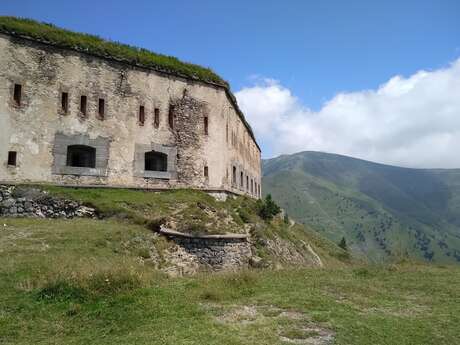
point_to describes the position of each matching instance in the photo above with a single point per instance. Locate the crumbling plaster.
(45, 72)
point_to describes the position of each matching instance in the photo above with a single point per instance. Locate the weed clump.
(69, 285)
(62, 291)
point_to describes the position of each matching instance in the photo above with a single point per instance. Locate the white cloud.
(412, 121)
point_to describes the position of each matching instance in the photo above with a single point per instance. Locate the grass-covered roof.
(94, 45)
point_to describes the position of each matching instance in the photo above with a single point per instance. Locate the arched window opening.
(156, 161)
(81, 156)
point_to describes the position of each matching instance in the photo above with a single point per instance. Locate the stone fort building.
(77, 110)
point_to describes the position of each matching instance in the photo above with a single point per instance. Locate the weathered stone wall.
(30, 202)
(31, 129)
(191, 253)
(217, 254)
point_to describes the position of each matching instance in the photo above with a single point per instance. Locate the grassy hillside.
(275, 241)
(383, 211)
(84, 281)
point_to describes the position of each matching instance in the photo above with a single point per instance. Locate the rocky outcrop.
(17, 201)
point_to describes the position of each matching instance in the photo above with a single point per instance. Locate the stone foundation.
(16, 201)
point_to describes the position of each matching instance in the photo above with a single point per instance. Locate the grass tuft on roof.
(95, 45)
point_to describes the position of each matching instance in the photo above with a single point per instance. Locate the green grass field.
(83, 282)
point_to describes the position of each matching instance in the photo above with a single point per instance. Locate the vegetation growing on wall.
(95, 45)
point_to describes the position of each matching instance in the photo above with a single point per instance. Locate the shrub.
(267, 208)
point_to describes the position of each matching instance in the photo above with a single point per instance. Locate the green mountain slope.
(383, 211)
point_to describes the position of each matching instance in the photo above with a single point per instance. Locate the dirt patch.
(292, 326)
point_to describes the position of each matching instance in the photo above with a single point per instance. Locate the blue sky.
(314, 49)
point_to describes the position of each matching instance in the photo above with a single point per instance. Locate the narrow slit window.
(141, 115)
(12, 158)
(101, 108)
(234, 175)
(171, 117)
(17, 94)
(83, 101)
(206, 125)
(65, 102)
(206, 172)
(241, 180)
(156, 118)
(247, 183)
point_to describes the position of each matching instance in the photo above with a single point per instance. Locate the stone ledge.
(212, 191)
(169, 232)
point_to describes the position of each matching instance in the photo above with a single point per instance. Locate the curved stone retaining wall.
(216, 252)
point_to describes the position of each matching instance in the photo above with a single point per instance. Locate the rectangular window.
(206, 172)
(234, 176)
(17, 95)
(171, 117)
(12, 156)
(156, 119)
(83, 101)
(206, 125)
(101, 108)
(141, 115)
(65, 102)
(241, 180)
(247, 183)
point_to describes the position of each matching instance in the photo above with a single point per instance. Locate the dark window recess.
(252, 188)
(156, 161)
(247, 183)
(141, 115)
(17, 94)
(206, 171)
(81, 156)
(83, 101)
(101, 108)
(65, 102)
(206, 125)
(12, 157)
(156, 118)
(171, 117)
(234, 176)
(241, 180)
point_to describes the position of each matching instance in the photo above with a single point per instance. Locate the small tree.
(268, 208)
(343, 244)
(286, 219)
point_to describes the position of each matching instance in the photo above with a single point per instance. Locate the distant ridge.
(383, 211)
